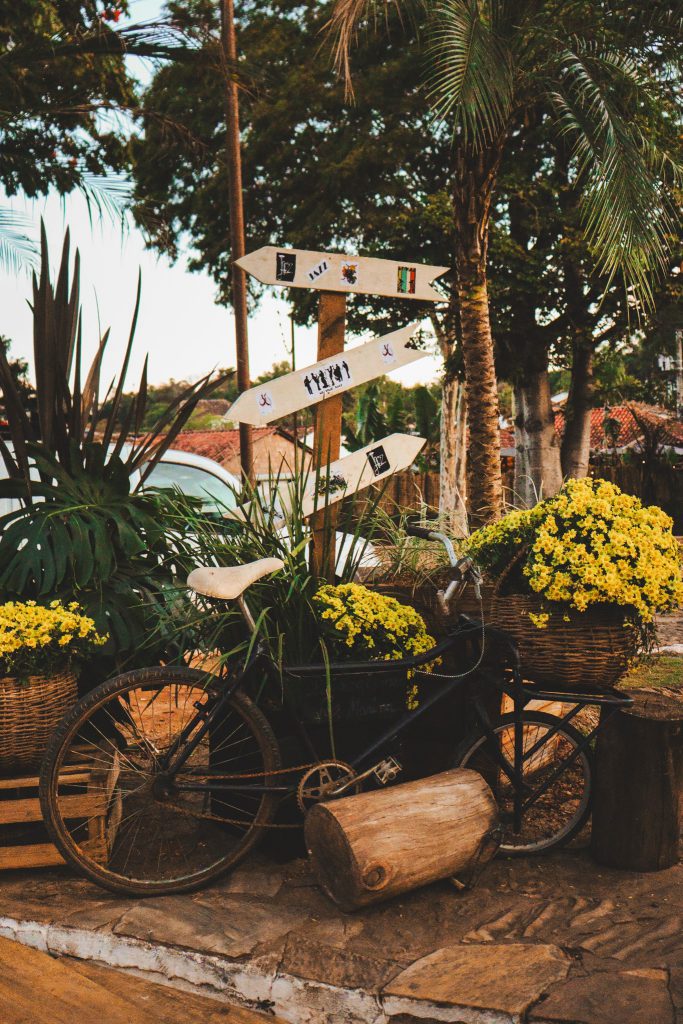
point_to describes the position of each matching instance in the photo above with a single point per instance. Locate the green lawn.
(666, 671)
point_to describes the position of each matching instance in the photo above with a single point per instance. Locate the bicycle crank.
(325, 779)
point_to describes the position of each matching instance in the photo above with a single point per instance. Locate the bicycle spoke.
(146, 829)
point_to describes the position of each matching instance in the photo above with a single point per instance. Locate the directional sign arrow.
(303, 388)
(358, 470)
(345, 476)
(335, 272)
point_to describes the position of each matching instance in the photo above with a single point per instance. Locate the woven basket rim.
(64, 674)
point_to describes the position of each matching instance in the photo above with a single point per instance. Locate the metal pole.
(237, 242)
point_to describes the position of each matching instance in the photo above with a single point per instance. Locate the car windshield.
(214, 493)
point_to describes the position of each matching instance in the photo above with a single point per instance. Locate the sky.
(185, 333)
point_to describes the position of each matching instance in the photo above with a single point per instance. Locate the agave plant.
(83, 530)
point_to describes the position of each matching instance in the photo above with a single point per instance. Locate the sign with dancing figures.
(334, 272)
(304, 388)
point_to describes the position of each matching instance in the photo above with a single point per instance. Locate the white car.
(200, 477)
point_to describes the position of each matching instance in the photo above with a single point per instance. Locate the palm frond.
(471, 73)
(349, 16)
(157, 40)
(106, 195)
(626, 200)
(18, 251)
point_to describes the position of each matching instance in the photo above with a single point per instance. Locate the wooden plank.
(82, 806)
(37, 855)
(338, 272)
(327, 378)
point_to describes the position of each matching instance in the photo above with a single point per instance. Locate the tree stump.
(375, 845)
(639, 785)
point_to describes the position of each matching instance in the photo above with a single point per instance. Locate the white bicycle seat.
(231, 581)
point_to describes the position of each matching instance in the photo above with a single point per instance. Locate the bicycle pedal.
(387, 770)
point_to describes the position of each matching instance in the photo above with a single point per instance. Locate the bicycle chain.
(247, 775)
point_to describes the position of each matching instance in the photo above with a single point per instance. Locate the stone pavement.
(554, 940)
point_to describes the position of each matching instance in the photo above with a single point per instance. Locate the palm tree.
(582, 68)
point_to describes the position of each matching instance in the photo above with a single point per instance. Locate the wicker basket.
(577, 651)
(30, 710)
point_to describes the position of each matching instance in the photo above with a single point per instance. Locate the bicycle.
(162, 779)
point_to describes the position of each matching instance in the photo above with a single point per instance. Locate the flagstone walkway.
(555, 940)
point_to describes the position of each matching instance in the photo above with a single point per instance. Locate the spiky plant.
(82, 531)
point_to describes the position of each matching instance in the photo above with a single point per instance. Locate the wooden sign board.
(350, 474)
(332, 376)
(336, 272)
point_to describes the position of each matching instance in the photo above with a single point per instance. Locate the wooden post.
(327, 430)
(378, 844)
(639, 785)
(237, 243)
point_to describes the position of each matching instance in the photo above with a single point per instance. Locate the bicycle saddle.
(228, 583)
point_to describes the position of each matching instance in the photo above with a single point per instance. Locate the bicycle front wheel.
(557, 772)
(116, 813)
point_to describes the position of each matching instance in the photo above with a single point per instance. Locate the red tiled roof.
(216, 444)
(629, 430)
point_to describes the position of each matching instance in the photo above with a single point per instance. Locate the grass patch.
(665, 671)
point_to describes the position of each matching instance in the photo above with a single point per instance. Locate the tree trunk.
(461, 458)
(639, 785)
(452, 462)
(375, 845)
(538, 473)
(474, 180)
(576, 440)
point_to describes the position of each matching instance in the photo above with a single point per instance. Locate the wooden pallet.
(88, 793)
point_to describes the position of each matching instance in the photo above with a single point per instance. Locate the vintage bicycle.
(162, 779)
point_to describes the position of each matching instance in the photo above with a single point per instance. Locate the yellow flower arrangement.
(365, 624)
(590, 544)
(37, 639)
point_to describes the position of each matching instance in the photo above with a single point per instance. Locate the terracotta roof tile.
(629, 430)
(216, 444)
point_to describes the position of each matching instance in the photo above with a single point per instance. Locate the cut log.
(639, 785)
(372, 846)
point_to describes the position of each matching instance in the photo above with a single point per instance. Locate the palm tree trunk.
(538, 473)
(576, 441)
(452, 455)
(474, 179)
(453, 463)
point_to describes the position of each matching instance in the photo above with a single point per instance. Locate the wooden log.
(639, 785)
(375, 845)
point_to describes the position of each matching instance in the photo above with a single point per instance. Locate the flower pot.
(353, 698)
(30, 710)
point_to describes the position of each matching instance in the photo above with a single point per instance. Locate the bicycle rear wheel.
(561, 811)
(128, 825)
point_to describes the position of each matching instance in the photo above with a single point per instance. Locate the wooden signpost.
(334, 275)
(336, 272)
(304, 388)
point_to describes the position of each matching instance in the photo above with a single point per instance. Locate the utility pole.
(237, 241)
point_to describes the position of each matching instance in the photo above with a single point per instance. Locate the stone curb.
(254, 985)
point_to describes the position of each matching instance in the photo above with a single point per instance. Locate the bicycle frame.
(510, 684)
